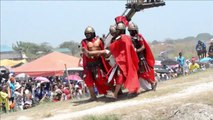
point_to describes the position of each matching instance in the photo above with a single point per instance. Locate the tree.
(73, 46)
(155, 42)
(45, 48)
(169, 41)
(204, 36)
(32, 49)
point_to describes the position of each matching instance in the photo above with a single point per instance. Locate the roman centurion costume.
(126, 60)
(95, 67)
(145, 56)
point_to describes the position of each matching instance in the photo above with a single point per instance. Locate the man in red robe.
(95, 67)
(126, 59)
(144, 53)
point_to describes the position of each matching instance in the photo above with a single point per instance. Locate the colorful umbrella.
(73, 77)
(21, 75)
(42, 79)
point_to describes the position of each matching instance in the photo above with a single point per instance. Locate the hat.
(17, 86)
(193, 59)
(26, 91)
(76, 86)
(38, 85)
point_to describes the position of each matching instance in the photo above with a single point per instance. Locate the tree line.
(34, 50)
(202, 36)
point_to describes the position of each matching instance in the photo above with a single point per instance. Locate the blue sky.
(59, 21)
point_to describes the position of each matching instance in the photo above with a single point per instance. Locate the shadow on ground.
(109, 98)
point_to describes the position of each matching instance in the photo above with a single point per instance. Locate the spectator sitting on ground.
(193, 67)
(57, 95)
(66, 92)
(4, 100)
(186, 67)
(28, 99)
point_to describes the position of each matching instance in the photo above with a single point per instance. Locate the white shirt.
(18, 98)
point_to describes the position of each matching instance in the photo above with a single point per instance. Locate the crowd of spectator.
(18, 95)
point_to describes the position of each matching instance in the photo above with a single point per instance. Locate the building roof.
(11, 55)
(52, 64)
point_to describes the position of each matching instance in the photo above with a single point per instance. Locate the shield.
(42, 79)
(169, 62)
(73, 77)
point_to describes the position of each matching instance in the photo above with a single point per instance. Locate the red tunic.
(89, 80)
(127, 60)
(150, 75)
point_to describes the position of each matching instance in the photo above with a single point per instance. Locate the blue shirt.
(12, 87)
(181, 60)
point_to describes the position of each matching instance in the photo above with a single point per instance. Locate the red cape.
(150, 76)
(127, 59)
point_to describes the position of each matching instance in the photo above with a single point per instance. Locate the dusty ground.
(189, 97)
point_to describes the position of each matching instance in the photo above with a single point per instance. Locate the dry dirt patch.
(109, 108)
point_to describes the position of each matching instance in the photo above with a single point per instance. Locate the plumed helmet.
(112, 29)
(132, 26)
(89, 29)
(120, 26)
